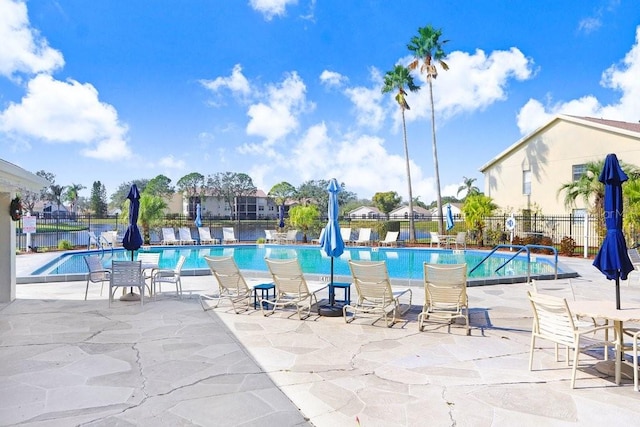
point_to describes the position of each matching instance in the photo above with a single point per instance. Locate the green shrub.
(64, 245)
(261, 240)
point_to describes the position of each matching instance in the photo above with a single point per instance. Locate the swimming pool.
(402, 263)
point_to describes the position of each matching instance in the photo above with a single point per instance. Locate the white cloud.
(621, 77)
(276, 118)
(332, 79)
(472, 83)
(171, 162)
(237, 83)
(23, 50)
(589, 25)
(367, 102)
(271, 8)
(66, 112)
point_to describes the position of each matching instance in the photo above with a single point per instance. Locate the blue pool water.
(402, 263)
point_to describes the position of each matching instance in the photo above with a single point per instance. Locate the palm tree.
(72, 194)
(428, 49)
(468, 187)
(396, 80)
(587, 187)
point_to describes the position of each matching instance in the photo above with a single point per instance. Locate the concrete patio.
(66, 361)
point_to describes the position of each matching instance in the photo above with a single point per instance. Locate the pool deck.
(66, 361)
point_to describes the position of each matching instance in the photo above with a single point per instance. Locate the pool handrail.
(520, 248)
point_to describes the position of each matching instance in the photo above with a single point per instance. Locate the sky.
(290, 90)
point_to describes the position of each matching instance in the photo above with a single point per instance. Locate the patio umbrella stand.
(132, 239)
(332, 245)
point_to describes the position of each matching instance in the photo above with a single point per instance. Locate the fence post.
(586, 235)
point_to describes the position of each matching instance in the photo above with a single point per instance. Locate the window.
(577, 171)
(526, 182)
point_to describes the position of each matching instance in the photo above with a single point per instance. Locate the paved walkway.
(65, 361)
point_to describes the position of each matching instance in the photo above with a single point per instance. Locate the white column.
(7, 251)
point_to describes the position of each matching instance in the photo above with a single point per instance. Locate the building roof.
(370, 209)
(14, 178)
(416, 210)
(623, 128)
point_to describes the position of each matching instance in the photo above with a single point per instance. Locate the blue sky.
(289, 90)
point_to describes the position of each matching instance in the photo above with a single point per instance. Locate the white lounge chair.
(364, 237)
(169, 236)
(93, 240)
(228, 235)
(634, 256)
(375, 294)
(291, 287)
(434, 239)
(291, 236)
(184, 235)
(205, 236)
(109, 239)
(445, 294)
(231, 284)
(391, 239)
(346, 234)
(270, 236)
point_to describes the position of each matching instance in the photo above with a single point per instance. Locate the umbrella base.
(130, 297)
(330, 310)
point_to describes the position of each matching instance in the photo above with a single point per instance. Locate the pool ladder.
(521, 248)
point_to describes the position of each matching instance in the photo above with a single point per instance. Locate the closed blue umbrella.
(331, 240)
(132, 239)
(612, 259)
(198, 220)
(449, 218)
(281, 215)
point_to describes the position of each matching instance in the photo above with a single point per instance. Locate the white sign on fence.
(29, 224)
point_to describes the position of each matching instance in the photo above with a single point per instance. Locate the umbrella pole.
(332, 294)
(618, 293)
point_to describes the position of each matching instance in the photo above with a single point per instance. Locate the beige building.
(528, 174)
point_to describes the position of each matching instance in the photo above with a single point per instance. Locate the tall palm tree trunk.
(435, 161)
(412, 227)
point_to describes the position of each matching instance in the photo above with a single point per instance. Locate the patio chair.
(435, 239)
(161, 276)
(150, 263)
(291, 236)
(109, 239)
(461, 240)
(364, 237)
(391, 239)
(291, 287)
(126, 274)
(97, 273)
(231, 284)
(228, 235)
(634, 256)
(375, 294)
(270, 236)
(184, 235)
(169, 236)
(445, 294)
(553, 321)
(634, 334)
(205, 236)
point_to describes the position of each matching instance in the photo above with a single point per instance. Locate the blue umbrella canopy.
(198, 220)
(612, 259)
(281, 215)
(331, 240)
(449, 218)
(132, 239)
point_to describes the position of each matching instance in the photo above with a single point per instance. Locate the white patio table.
(605, 309)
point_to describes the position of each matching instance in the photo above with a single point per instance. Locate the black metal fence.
(584, 233)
